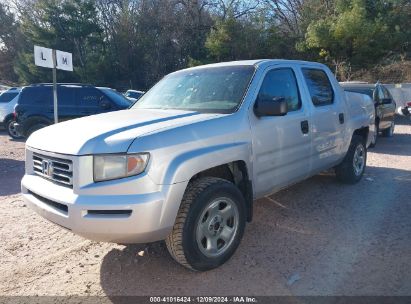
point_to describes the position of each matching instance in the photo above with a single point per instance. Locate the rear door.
(327, 118)
(281, 144)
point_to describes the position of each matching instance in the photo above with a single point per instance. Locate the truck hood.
(111, 132)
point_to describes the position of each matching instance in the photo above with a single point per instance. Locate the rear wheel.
(209, 224)
(352, 167)
(11, 129)
(390, 131)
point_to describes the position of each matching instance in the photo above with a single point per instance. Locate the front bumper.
(108, 211)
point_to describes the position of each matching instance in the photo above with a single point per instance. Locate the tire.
(390, 131)
(352, 168)
(211, 209)
(11, 130)
(34, 128)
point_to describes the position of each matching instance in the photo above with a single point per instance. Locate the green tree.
(355, 32)
(67, 25)
(9, 39)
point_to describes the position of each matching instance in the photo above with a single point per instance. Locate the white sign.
(43, 57)
(64, 61)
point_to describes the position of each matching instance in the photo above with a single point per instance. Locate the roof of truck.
(256, 62)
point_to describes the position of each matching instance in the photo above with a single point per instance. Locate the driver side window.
(281, 83)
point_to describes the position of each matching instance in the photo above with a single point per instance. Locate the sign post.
(53, 59)
(56, 118)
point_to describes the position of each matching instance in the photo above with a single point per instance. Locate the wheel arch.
(31, 121)
(363, 132)
(237, 173)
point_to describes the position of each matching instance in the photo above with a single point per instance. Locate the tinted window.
(380, 94)
(133, 94)
(89, 97)
(36, 96)
(117, 98)
(7, 96)
(319, 86)
(386, 93)
(281, 83)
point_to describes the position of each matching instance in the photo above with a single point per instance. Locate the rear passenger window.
(319, 86)
(281, 83)
(89, 97)
(38, 96)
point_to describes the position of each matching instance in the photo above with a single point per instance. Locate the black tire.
(182, 242)
(347, 172)
(390, 131)
(11, 130)
(34, 128)
(377, 132)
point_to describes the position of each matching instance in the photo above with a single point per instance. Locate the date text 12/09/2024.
(203, 299)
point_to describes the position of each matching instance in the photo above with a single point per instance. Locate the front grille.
(54, 169)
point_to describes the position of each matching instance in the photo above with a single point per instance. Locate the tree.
(65, 25)
(355, 32)
(9, 39)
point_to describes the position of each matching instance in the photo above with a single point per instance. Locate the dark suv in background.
(34, 109)
(384, 104)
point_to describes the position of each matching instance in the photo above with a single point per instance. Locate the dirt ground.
(316, 238)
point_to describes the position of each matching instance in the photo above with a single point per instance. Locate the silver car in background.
(8, 100)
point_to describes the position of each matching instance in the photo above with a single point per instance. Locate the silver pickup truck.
(186, 162)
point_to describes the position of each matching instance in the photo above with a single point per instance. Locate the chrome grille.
(55, 169)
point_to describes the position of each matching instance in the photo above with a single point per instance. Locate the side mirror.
(276, 106)
(386, 101)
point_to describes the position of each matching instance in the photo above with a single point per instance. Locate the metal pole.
(55, 88)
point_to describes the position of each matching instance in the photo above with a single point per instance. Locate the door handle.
(304, 126)
(341, 118)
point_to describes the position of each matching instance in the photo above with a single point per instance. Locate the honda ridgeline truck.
(186, 162)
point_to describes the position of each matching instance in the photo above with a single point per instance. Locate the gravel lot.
(316, 238)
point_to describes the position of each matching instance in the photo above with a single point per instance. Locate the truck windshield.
(214, 89)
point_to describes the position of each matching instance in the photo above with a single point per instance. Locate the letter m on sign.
(64, 61)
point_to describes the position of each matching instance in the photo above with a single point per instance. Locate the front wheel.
(352, 167)
(209, 224)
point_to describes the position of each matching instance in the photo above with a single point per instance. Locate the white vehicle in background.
(8, 99)
(133, 95)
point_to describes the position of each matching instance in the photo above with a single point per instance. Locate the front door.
(281, 144)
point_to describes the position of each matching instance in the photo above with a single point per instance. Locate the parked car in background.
(362, 100)
(34, 109)
(406, 109)
(186, 162)
(385, 105)
(8, 100)
(134, 95)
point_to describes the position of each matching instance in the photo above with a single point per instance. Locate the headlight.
(113, 166)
